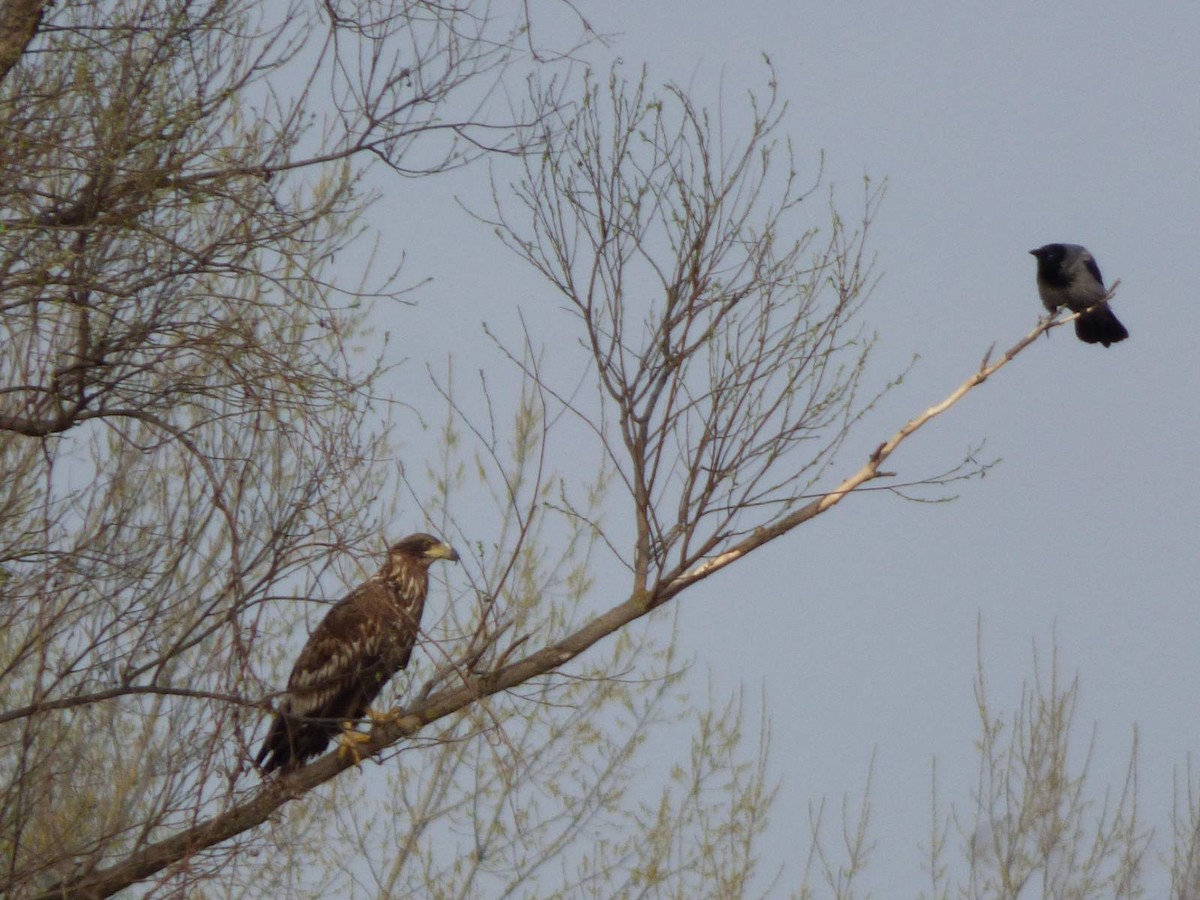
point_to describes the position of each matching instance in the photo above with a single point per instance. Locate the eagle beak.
(442, 551)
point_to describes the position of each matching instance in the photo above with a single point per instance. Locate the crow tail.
(1100, 326)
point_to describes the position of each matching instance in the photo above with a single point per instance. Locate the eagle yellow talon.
(350, 742)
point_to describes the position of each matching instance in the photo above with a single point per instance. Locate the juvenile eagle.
(361, 643)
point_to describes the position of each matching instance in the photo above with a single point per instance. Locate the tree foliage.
(187, 432)
(194, 436)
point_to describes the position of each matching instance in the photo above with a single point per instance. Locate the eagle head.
(421, 549)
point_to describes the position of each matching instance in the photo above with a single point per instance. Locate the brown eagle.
(361, 643)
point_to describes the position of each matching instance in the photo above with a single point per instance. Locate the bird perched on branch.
(360, 644)
(1067, 275)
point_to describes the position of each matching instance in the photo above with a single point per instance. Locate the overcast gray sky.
(999, 127)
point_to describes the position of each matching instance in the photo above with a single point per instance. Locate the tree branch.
(869, 472)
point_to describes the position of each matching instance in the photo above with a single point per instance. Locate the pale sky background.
(999, 127)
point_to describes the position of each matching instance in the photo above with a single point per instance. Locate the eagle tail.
(288, 744)
(276, 749)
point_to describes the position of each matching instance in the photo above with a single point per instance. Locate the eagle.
(361, 643)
